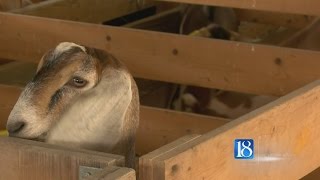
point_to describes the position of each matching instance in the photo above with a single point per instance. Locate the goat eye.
(78, 82)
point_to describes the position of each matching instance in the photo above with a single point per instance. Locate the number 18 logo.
(243, 149)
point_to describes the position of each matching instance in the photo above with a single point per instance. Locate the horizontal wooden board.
(24, 159)
(157, 126)
(8, 97)
(307, 7)
(274, 18)
(166, 21)
(113, 173)
(93, 11)
(242, 67)
(286, 139)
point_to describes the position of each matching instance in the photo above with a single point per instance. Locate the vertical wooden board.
(286, 136)
(23, 159)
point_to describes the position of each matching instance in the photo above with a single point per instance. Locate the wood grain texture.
(159, 127)
(274, 18)
(93, 11)
(24, 159)
(149, 163)
(256, 69)
(307, 7)
(114, 173)
(286, 134)
(8, 98)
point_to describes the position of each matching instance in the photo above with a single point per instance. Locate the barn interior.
(208, 72)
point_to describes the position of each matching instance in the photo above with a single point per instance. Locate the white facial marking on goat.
(109, 101)
(24, 109)
(65, 46)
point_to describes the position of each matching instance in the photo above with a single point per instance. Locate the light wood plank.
(114, 173)
(278, 19)
(93, 11)
(148, 163)
(256, 69)
(157, 126)
(23, 159)
(286, 134)
(307, 7)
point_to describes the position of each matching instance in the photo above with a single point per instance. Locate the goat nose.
(15, 127)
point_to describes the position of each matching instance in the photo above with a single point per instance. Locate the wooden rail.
(206, 62)
(307, 7)
(113, 173)
(274, 18)
(285, 132)
(96, 11)
(23, 159)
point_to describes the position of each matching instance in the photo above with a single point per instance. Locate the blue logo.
(243, 149)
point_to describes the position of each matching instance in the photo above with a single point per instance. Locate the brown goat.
(80, 97)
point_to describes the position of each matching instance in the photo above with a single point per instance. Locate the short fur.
(102, 116)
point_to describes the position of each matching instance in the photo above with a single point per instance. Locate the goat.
(80, 97)
(219, 23)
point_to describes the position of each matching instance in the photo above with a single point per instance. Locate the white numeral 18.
(241, 150)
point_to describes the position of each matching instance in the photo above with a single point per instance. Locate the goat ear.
(40, 64)
(44, 58)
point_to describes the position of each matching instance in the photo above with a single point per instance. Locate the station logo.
(243, 149)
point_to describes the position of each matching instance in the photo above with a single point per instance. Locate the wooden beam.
(149, 163)
(286, 136)
(277, 19)
(166, 21)
(114, 173)
(9, 96)
(17, 73)
(308, 7)
(157, 126)
(274, 18)
(235, 66)
(24, 159)
(93, 11)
